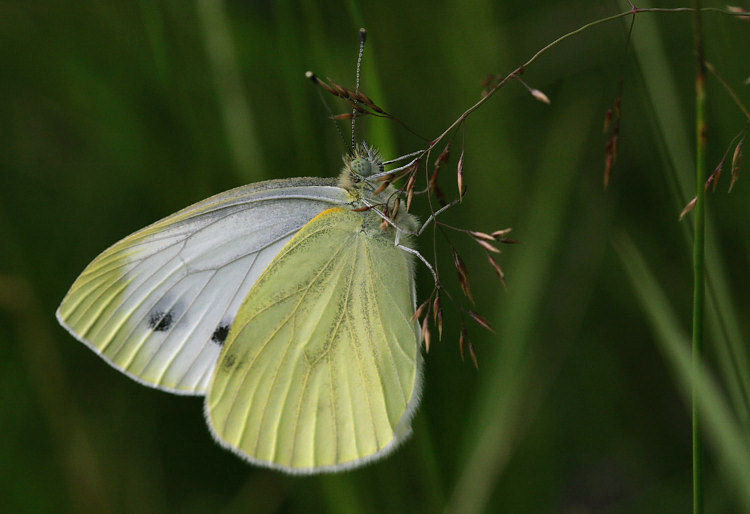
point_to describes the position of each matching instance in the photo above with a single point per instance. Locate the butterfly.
(289, 304)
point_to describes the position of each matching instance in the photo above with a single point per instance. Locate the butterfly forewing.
(160, 303)
(322, 368)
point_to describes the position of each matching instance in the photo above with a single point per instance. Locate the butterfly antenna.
(362, 39)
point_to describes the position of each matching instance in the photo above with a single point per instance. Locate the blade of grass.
(699, 289)
(726, 337)
(670, 123)
(723, 430)
(86, 485)
(509, 395)
(236, 114)
(290, 41)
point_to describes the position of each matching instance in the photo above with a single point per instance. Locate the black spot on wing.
(220, 334)
(160, 321)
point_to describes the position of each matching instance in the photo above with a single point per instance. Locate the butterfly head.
(363, 162)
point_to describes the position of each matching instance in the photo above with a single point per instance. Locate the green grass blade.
(518, 376)
(724, 432)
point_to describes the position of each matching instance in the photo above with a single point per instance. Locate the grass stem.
(698, 251)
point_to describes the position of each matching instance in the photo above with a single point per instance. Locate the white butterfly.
(285, 302)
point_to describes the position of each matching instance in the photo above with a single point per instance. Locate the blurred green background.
(115, 114)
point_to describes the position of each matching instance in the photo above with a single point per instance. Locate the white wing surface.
(159, 304)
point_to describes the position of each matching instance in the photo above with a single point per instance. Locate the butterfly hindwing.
(160, 303)
(322, 367)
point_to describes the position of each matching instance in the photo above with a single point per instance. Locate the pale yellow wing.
(322, 367)
(159, 304)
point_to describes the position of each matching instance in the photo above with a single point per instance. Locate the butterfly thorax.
(362, 176)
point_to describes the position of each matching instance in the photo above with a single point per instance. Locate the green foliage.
(116, 114)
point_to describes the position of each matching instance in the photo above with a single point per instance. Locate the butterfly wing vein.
(322, 367)
(157, 304)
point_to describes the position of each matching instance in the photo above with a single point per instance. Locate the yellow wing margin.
(322, 368)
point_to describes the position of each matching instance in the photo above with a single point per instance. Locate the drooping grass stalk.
(583, 28)
(698, 250)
